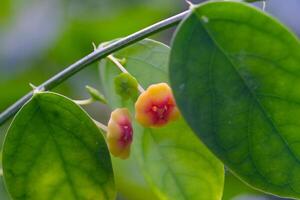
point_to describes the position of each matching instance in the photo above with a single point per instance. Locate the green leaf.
(235, 74)
(129, 180)
(174, 162)
(126, 86)
(3, 193)
(53, 150)
(234, 188)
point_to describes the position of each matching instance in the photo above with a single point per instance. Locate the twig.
(94, 56)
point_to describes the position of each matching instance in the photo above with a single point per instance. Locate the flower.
(156, 106)
(119, 133)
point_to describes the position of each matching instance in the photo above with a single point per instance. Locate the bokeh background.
(39, 38)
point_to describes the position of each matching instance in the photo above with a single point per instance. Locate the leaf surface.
(235, 72)
(53, 150)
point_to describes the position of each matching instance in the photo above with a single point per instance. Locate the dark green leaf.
(235, 74)
(174, 162)
(53, 150)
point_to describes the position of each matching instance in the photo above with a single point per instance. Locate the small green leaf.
(126, 86)
(95, 94)
(176, 165)
(53, 150)
(235, 75)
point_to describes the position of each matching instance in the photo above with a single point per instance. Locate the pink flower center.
(160, 111)
(126, 133)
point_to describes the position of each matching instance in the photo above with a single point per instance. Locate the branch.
(92, 57)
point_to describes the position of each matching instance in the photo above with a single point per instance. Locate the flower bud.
(126, 86)
(119, 133)
(156, 106)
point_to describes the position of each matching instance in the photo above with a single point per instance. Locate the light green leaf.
(53, 150)
(130, 181)
(174, 162)
(234, 188)
(3, 193)
(235, 74)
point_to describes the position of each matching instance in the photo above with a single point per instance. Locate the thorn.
(32, 86)
(191, 5)
(36, 89)
(102, 45)
(264, 4)
(94, 46)
(122, 60)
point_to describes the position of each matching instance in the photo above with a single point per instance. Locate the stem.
(122, 68)
(101, 126)
(84, 101)
(119, 65)
(92, 57)
(264, 4)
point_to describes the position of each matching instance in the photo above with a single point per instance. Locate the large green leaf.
(130, 181)
(235, 72)
(53, 150)
(3, 193)
(235, 188)
(174, 162)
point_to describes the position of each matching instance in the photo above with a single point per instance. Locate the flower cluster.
(155, 107)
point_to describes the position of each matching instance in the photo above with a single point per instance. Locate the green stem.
(92, 57)
(84, 102)
(101, 126)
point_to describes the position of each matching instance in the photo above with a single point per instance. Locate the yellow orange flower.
(156, 106)
(119, 133)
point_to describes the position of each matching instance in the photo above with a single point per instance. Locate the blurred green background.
(38, 38)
